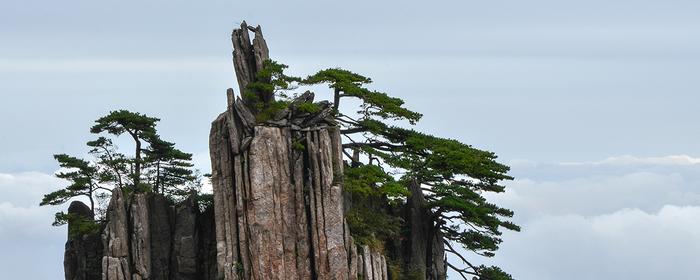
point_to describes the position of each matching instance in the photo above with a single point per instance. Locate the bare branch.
(450, 249)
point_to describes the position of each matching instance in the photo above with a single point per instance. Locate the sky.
(592, 103)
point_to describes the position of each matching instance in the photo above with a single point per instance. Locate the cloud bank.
(618, 218)
(27, 238)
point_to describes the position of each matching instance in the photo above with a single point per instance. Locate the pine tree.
(170, 169)
(386, 159)
(83, 181)
(137, 126)
(156, 166)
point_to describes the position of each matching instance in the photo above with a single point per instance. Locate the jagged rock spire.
(278, 203)
(248, 59)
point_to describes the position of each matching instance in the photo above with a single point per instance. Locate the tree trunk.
(336, 100)
(137, 159)
(418, 240)
(157, 187)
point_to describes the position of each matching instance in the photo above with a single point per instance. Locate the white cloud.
(596, 195)
(26, 235)
(601, 187)
(618, 218)
(21, 222)
(626, 244)
(27, 188)
(20, 213)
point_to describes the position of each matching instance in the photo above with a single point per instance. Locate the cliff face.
(278, 214)
(83, 255)
(278, 188)
(278, 209)
(279, 202)
(146, 237)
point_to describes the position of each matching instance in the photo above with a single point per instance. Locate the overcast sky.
(593, 103)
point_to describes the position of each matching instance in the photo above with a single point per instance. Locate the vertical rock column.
(83, 255)
(278, 200)
(146, 237)
(278, 185)
(115, 238)
(151, 236)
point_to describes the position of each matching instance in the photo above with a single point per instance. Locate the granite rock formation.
(278, 209)
(83, 254)
(278, 193)
(148, 237)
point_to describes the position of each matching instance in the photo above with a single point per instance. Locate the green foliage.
(337, 78)
(156, 166)
(118, 122)
(269, 81)
(298, 145)
(374, 103)
(370, 226)
(113, 166)
(371, 180)
(493, 273)
(205, 201)
(271, 78)
(454, 175)
(397, 271)
(79, 225)
(266, 111)
(138, 126)
(82, 178)
(240, 270)
(457, 175)
(168, 167)
(308, 107)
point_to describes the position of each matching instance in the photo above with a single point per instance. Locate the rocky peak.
(278, 210)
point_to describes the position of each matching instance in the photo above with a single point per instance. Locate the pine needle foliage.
(454, 175)
(156, 166)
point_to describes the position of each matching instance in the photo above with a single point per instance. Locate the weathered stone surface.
(206, 249)
(279, 203)
(226, 212)
(248, 59)
(246, 117)
(278, 194)
(185, 241)
(161, 220)
(272, 209)
(115, 238)
(140, 239)
(83, 254)
(147, 237)
(371, 265)
(151, 238)
(279, 206)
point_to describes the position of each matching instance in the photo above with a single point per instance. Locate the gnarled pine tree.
(156, 165)
(440, 181)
